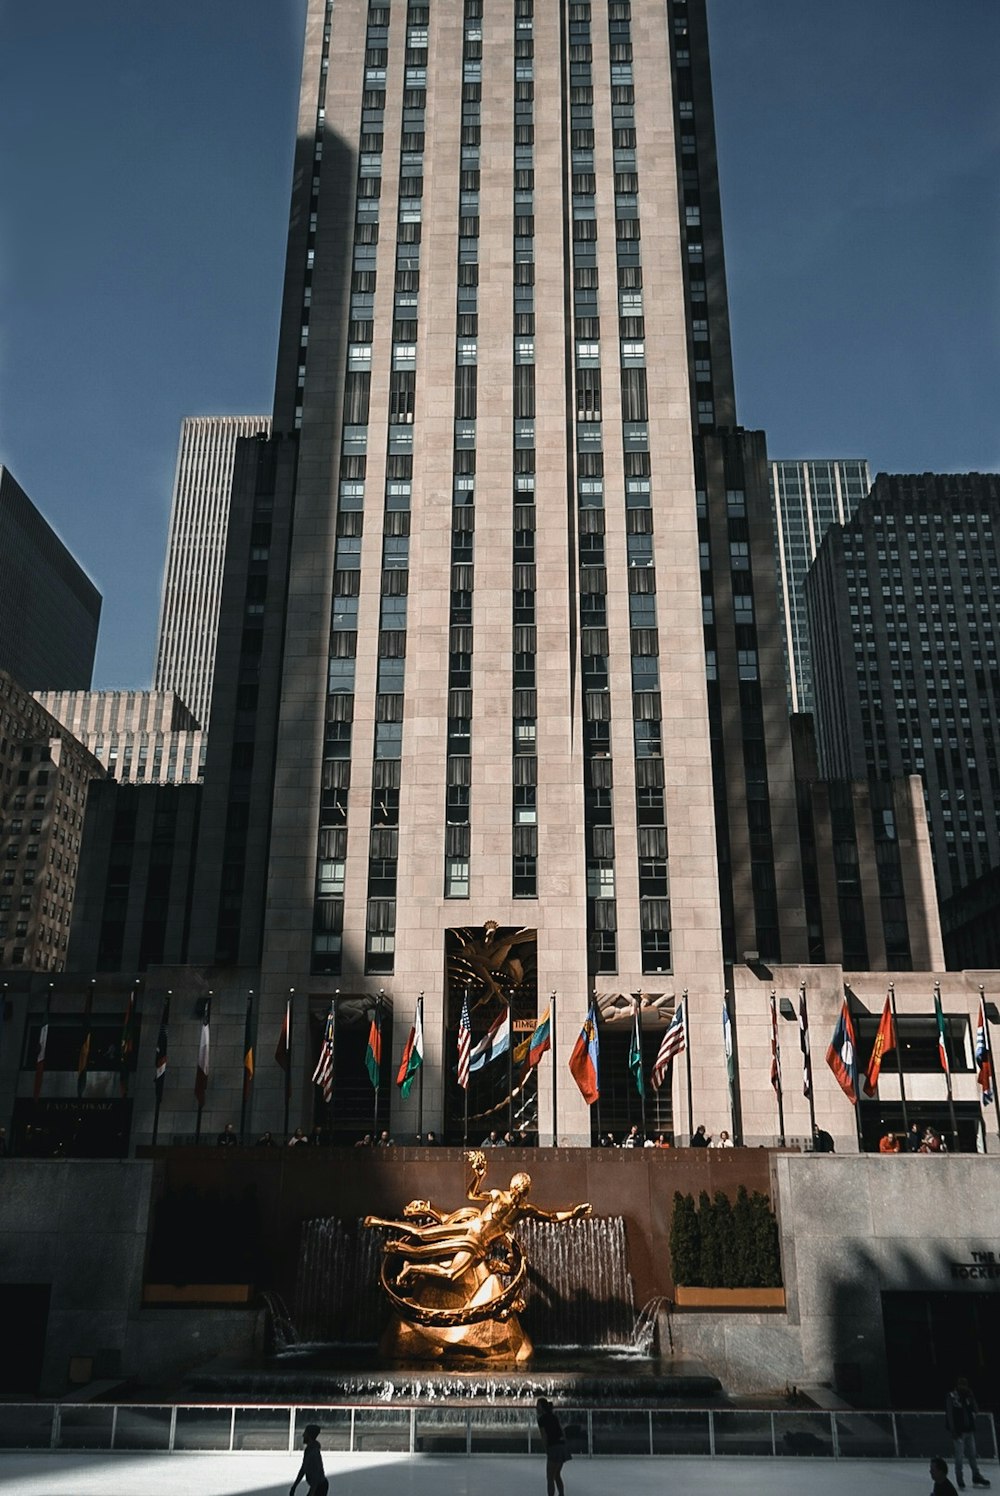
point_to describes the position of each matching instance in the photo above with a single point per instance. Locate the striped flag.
(494, 1043)
(775, 1047)
(323, 1074)
(984, 1059)
(807, 1069)
(204, 1047)
(942, 1033)
(674, 1042)
(727, 1046)
(464, 1044)
(160, 1061)
(413, 1052)
(541, 1039)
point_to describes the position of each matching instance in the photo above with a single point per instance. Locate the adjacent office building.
(192, 580)
(141, 737)
(807, 497)
(905, 625)
(49, 607)
(44, 777)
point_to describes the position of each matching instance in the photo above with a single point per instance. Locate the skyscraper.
(192, 577)
(808, 497)
(906, 629)
(499, 621)
(49, 607)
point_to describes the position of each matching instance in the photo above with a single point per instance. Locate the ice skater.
(312, 1464)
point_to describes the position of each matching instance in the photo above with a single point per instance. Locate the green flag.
(635, 1056)
(942, 1033)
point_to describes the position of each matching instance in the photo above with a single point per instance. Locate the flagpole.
(778, 1089)
(555, 1067)
(420, 1077)
(206, 1013)
(687, 1062)
(333, 1065)
(899, 1055)
(642, 1093)
(597, 1103)
(465, 1090)
(378, 1072)
(510, 1064)
(244, 1098)
(947, 1072)
(989, 1051)
(164, 1016)
(807, 1058)
(288, 1067)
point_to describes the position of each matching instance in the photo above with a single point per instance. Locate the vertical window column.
(463, 512)
(331, 857)
(524, 814)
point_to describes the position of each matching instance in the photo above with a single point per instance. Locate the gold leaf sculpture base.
(454, 1279)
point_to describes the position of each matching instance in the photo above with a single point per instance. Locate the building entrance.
(932, 1338)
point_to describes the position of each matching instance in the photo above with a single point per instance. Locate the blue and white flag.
(493, 1044)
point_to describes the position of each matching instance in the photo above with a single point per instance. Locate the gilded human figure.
(454, 1277)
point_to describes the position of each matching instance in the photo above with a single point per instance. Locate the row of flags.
(842, 1053)
(584, 1062)
(126, 1046)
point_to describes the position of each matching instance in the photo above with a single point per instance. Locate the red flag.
(584, 1062)
(885, 1040)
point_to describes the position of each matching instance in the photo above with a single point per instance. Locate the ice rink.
(125, 1474)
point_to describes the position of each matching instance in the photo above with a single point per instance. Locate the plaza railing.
(410, 1428)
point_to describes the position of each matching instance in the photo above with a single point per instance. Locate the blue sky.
(145, 150)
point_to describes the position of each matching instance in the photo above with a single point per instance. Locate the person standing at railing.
(312, 1463)
(556, 1448)
(960, 1411)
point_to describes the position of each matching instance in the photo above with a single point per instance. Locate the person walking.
(311, 1469)
(556, 1448)
(960, 1411)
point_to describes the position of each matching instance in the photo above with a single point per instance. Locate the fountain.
(497, 1301)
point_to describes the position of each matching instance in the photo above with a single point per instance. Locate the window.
(456, 878)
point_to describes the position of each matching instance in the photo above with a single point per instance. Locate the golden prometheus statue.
(454, 1279)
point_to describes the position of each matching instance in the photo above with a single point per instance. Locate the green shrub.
(685, 1242)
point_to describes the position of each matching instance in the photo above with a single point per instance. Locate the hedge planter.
(729, 1298)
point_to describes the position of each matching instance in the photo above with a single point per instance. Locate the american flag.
(464, 1045)
(674, 1042)
(323, 1074)
(807, 1069)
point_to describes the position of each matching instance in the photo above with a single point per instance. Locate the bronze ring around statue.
(499, 1307)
